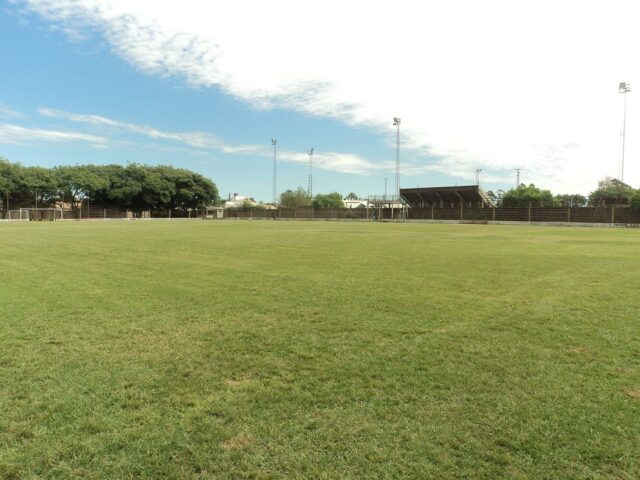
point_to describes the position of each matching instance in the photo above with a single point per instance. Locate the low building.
(357, 203)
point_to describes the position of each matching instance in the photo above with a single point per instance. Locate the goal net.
(31, 214)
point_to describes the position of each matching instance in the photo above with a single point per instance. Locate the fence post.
(529, 212)
(461, 207)
(432, 211)
(494, 214)
(613, 214)
(569, 214)
(105, 213)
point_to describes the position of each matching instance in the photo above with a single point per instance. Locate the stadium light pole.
(396, 123)
(518, 170)
(385, 187)
(623, 88)
(478, 170)
(274, 142)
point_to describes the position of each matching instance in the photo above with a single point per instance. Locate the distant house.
(237, 200)
(357, 203)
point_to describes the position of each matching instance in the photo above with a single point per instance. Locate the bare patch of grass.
(635, 393)
(237, 442)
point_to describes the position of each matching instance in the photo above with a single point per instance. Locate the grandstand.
(467, 195)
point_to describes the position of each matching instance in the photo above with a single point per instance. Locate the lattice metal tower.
(624, 88)
(396, 123)
(274, 142)
(310, 186)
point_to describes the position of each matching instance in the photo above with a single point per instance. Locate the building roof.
(435, 195)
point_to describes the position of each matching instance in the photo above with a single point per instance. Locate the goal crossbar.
(29, 214)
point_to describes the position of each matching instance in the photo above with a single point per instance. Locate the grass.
(318, 350)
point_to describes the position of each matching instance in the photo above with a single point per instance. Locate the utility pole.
(624, 88)
(274, 142)
(478, 170)
(518, 170)
(385, 188)
(310, 186)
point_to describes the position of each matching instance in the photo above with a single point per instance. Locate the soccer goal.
(31, 214)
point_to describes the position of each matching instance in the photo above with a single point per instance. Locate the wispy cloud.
(338, 162)
(334, 161)
(7, 112)
(194, 139)
(16, 134)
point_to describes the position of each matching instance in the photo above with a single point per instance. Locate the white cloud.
(497, 84)
(194, 139)
(6, 112)
(334, 161)
(339, 162)
(16, 134)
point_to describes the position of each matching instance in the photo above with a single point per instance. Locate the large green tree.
(8, 181)
(79, 182)
(611, 191)
(295, 198)
(26, 186)
(496, 197)
(526, 195)
(328, 200)
(570, 200)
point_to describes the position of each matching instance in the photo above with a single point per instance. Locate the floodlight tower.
(310, 186)
(623, 88)
(518, 170)
(396, 123)
(478, 170)
(274, 143)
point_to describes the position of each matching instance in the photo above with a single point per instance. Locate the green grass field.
(318, 350)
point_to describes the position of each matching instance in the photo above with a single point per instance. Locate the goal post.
(31, 214)
(17, 215)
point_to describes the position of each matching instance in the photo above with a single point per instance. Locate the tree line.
(610, 191)
(300, 198)
(133, 187)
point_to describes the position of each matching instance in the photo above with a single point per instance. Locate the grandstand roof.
(469, 194)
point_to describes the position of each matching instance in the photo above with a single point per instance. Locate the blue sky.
(116, 82)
